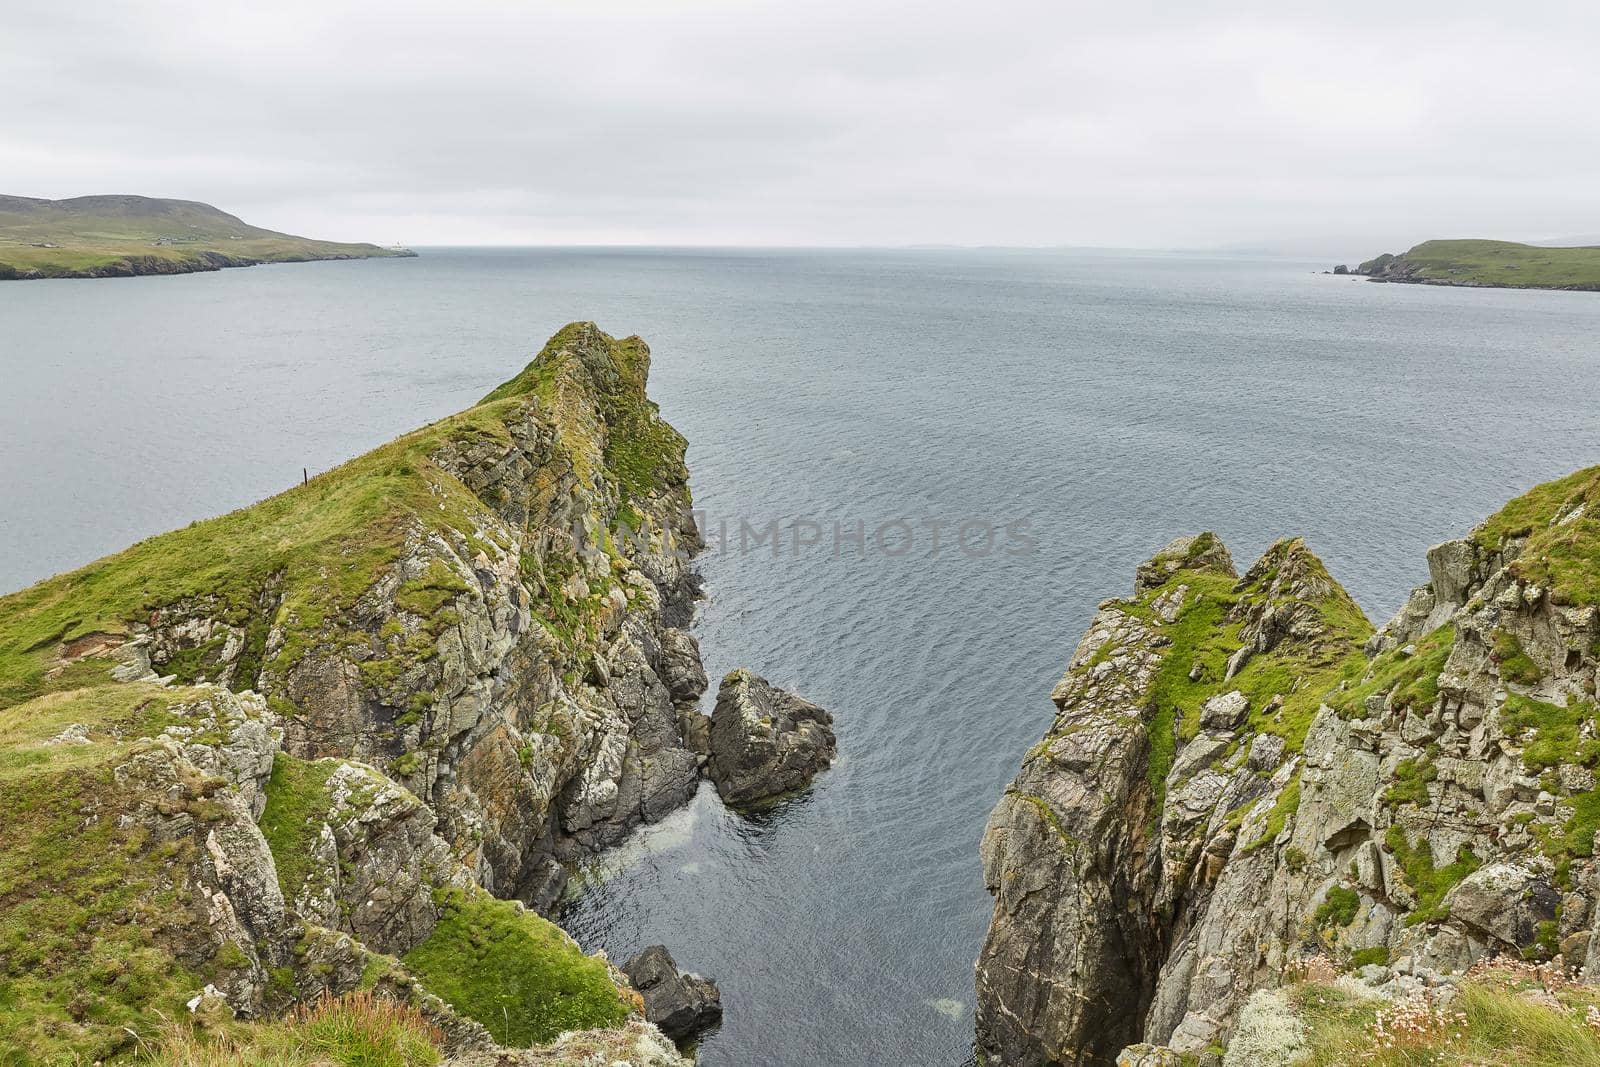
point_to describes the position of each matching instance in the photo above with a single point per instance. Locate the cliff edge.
(306, 748)
(1242, 777)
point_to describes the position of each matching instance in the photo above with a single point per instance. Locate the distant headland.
(1486, 264)
(119, 236)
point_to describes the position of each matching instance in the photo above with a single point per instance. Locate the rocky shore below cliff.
(1243, 777)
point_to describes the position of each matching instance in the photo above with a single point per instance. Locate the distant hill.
(1496, 264)
(111, 236)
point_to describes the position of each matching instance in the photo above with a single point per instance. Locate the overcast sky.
(819, 122)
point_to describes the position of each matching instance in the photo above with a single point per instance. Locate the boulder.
(1225, 712)
(1146, 1055)
(1506, 901)
(680, 665)
(680, 1004)
(765, 742)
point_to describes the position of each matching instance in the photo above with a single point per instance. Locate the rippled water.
(1109, 401)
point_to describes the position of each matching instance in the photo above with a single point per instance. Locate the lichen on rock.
(300, 748)
(1243, 774)
(765, 743)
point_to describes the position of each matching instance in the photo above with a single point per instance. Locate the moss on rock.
(517, 974)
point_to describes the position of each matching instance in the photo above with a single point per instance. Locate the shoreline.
(146, 266)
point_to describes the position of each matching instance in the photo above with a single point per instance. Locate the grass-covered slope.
(1560, 521)
(87, 908)
(1503, 1013)
(1499, 264)
(519, 976)
(108, 922)
(118, 791)
(312, 551)
(103, 236)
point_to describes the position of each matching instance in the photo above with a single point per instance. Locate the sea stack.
(765, 743)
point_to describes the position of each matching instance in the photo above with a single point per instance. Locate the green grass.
(1301, 673)
(356, 1030)
(1198, 635)
(1494, 1019)
(1533, 510)
(142, 235)
(1563, 558)
(1556, 732)
(1411, 680)
(1283, 808)
(1428, 882)
(1338, 908)
(1410, 782)
(1366, 957)
(1515, 664)
(513, 972)
(1572, 839)
(297, 805)
(1505, 263)
(301, 559)
(88, 907)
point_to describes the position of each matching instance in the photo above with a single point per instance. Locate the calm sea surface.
(1100, 404)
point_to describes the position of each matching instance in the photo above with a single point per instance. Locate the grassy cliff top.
(94, 235)
(322, 545)
(1561, 522)
(1492, 263)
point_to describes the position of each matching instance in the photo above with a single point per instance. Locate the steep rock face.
(140, 877)
(456, 609)
(1428, 801)
(296, 749)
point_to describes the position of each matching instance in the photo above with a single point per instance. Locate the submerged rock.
(681, 1004)
(765, 742)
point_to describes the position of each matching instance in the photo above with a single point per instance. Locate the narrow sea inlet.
(1107, 402)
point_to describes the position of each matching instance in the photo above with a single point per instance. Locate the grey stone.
(682, 1005)
(765, 743)
(1507, 901)
(1225, 712)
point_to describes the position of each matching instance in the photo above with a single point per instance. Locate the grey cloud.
(746, 121)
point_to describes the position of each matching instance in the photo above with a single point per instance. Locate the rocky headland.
(1245, 783)
(350, 739)
(122, 236)
(1486, 265)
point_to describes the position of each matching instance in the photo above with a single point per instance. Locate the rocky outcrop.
(681, 1004)
(1242, 775)
(765, 743)
(336, 884)
(486, 611)
(335, 726)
